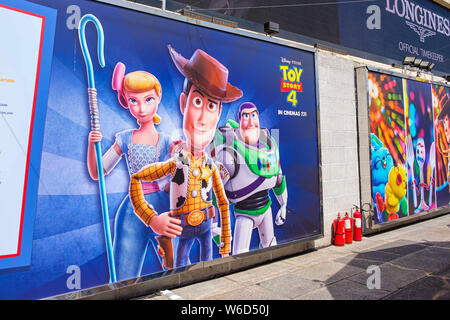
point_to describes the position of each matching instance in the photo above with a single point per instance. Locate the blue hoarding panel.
(68, 250)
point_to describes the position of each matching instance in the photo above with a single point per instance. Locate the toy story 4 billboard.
(409, 135)
(152, 144)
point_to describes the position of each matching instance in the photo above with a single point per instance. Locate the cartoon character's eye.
(149, 100)
(212, 106)
(132, 101)
(246, 116)
(254, 115)
(197, 102)
(377, 162)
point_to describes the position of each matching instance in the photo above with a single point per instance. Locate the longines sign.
(396, 28)
(424, 22)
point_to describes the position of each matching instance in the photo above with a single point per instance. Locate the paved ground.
(413, 262)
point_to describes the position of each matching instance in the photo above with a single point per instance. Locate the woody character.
(193, 175)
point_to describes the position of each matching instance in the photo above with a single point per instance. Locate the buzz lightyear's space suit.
(252, 171)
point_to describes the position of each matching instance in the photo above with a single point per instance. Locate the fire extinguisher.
(348, 229)
(357, 232)
(338, 231)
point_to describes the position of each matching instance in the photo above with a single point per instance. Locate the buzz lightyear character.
(252, 168)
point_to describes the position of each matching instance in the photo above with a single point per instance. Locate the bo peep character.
(140, 93)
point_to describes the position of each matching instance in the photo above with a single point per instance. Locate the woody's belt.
(194, 218)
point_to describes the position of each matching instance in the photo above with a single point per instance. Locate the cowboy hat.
(206, 73)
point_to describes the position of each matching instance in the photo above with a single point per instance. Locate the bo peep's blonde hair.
(137, 81)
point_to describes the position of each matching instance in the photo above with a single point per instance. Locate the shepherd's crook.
(95, 126)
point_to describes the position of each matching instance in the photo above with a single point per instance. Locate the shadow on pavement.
(378, 268)
(398, 270)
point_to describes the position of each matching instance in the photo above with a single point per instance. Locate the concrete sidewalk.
(414, 263)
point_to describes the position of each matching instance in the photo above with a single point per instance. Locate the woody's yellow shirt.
(194, 201)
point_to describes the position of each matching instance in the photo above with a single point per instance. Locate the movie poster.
(409, 145)
(207, 141)
(421, 150)
(442, 139)
(387, 139)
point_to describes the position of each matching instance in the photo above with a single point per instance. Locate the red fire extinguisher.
(338, 231)
(348, 229)
(357, 232)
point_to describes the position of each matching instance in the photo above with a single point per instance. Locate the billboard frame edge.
(237, 31)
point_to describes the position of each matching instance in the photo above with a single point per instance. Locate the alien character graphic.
(251, 157)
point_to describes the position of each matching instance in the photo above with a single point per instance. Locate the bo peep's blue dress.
(131, 236)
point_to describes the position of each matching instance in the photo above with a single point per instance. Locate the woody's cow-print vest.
(179, 184)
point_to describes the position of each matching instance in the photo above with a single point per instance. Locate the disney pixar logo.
(290, 82)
